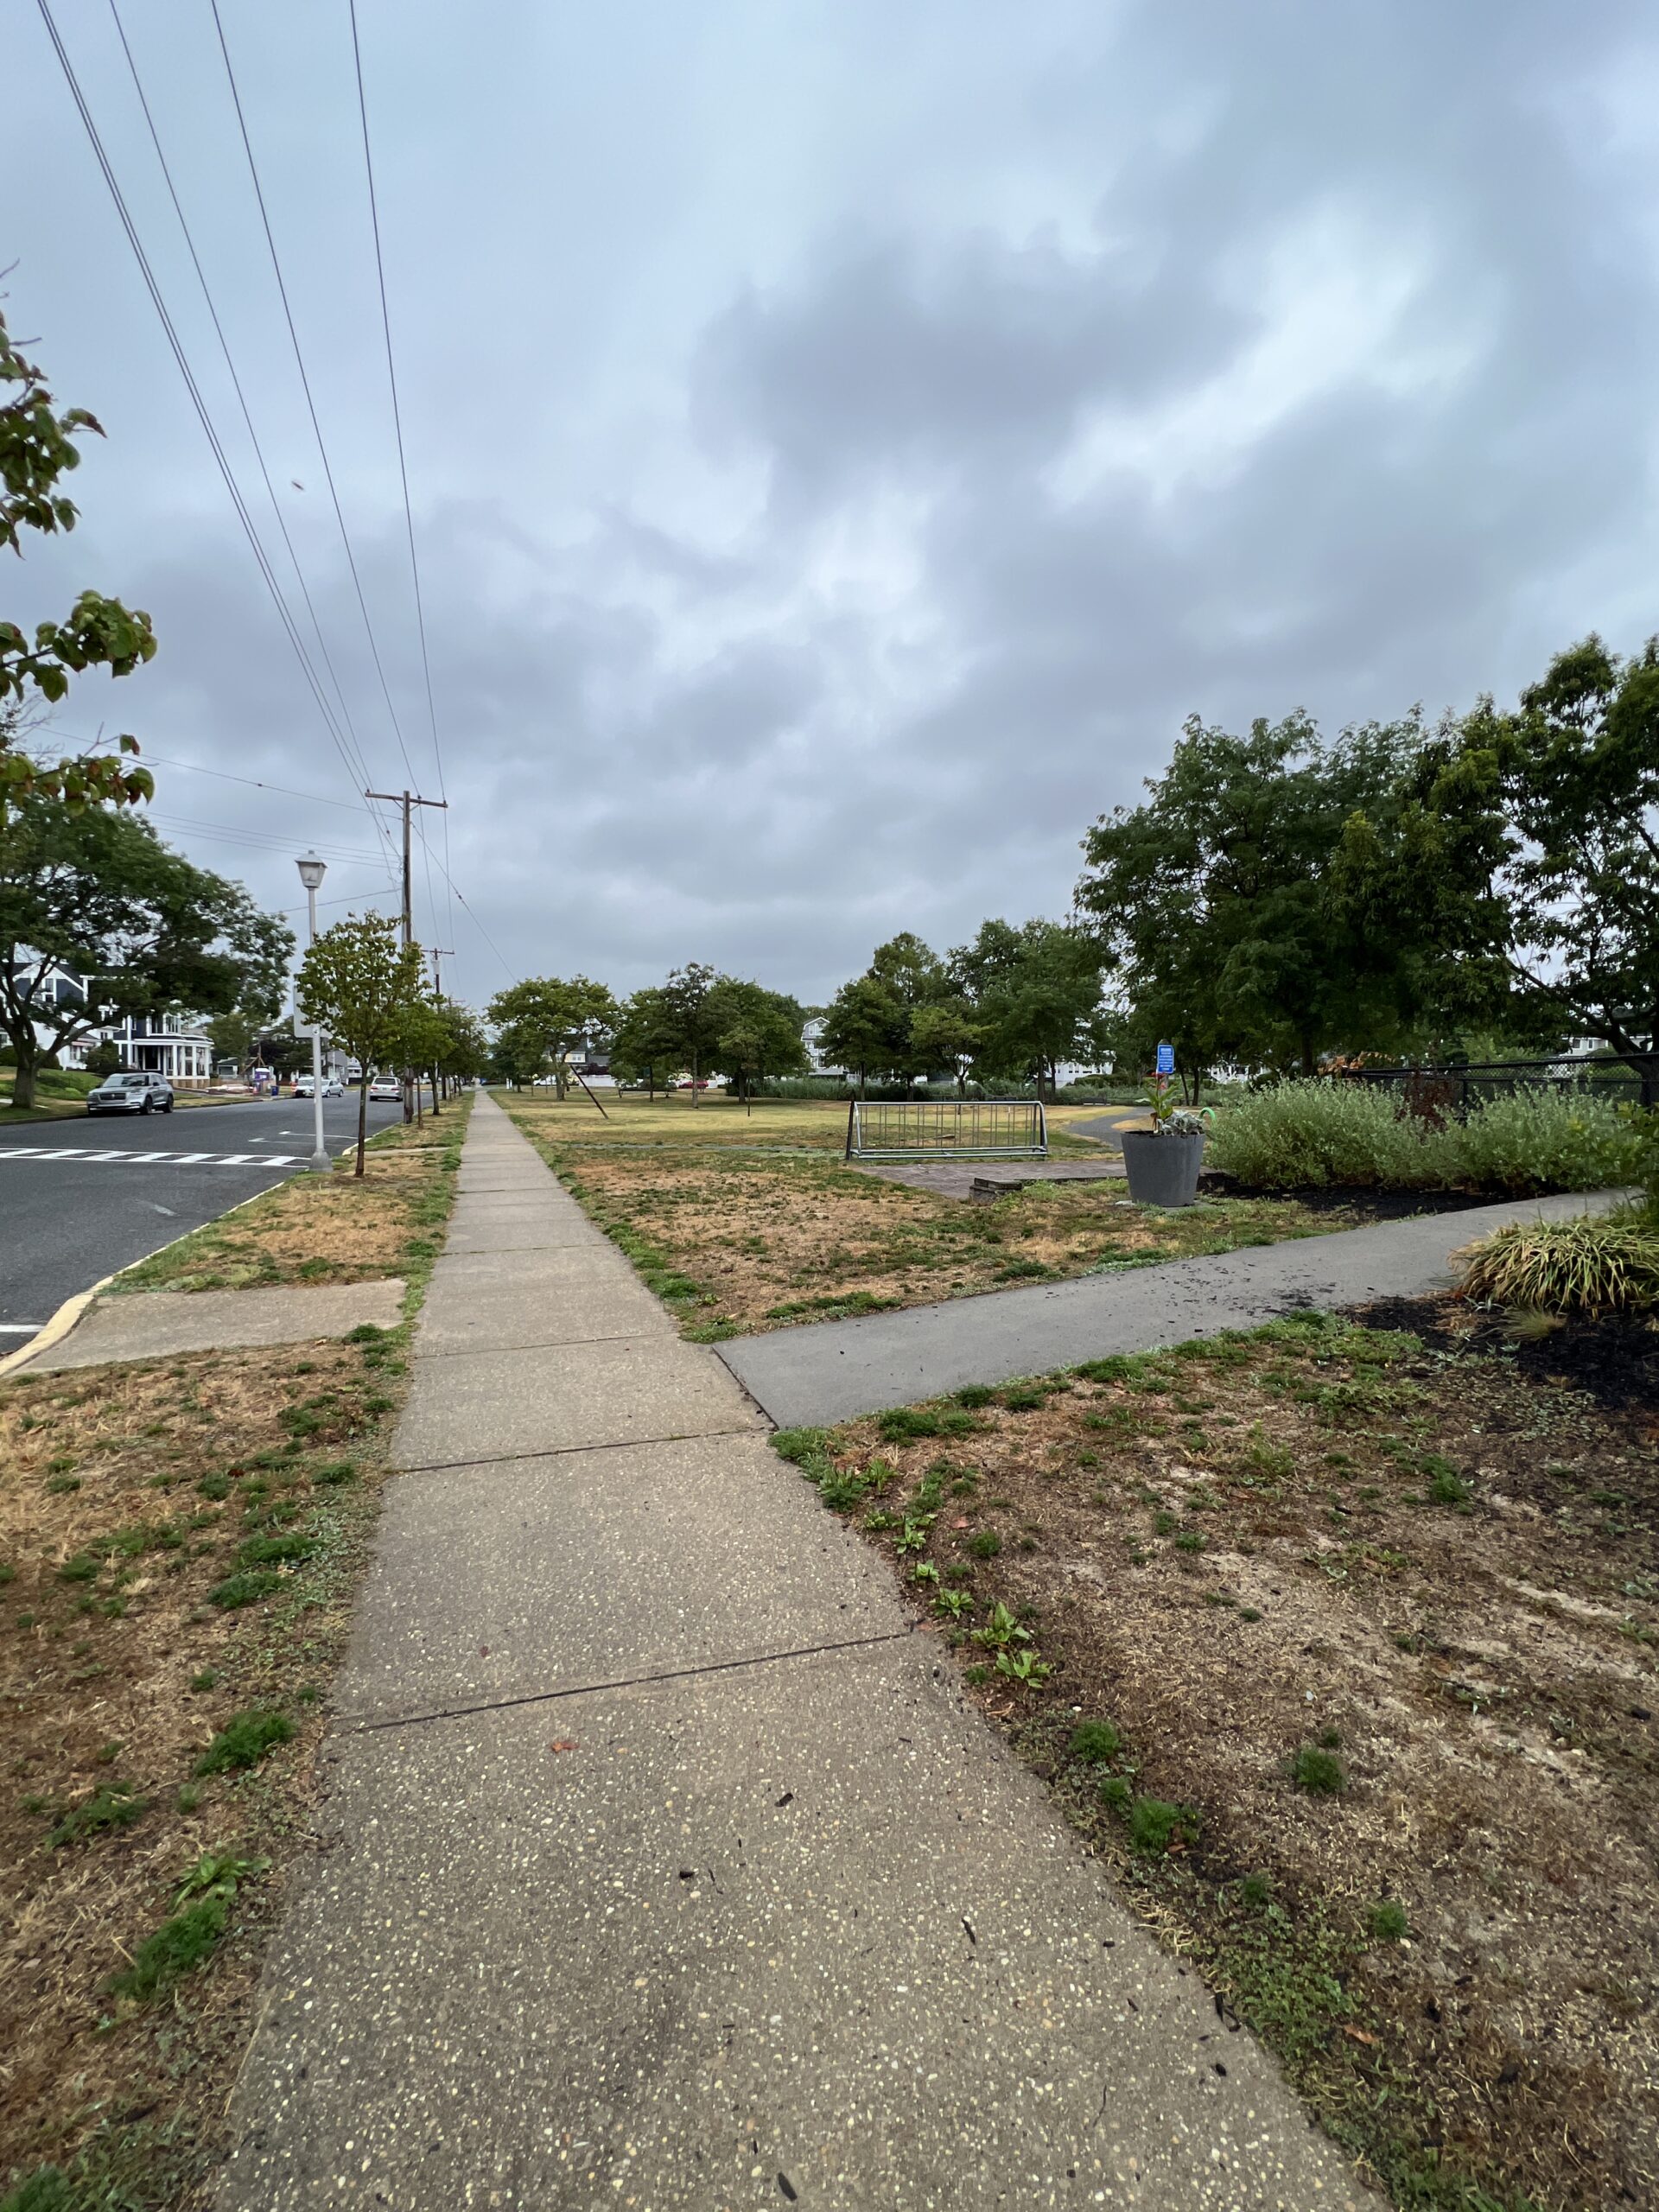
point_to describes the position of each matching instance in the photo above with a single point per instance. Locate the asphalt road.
(64, 1223)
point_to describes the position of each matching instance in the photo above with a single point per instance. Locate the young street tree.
(94, 892)
(946, 1034)
(359, 981)
(37, 449)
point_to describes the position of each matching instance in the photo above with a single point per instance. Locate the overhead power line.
(305, 382)
(243, 516)
(403, 465)
(236, 382)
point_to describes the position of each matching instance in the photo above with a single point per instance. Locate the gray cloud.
(890, 519)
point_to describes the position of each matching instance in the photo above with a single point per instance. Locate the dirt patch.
(1373, 1616)
(751, 1242)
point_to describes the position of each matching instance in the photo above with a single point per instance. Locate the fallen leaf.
(1359, 2035)
(563, 1744)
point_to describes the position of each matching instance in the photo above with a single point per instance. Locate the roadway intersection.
(85, 1195)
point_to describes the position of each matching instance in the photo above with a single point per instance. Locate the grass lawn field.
(752, 1222)
(1338, 1643)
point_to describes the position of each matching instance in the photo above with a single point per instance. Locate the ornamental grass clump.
(1585, 1266)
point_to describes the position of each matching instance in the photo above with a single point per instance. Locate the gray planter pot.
(1163, 1171)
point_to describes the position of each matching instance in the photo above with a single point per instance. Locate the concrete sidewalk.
(664, 1866)
(832, 1371)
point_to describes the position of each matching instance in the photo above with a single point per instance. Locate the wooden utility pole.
(407, 800)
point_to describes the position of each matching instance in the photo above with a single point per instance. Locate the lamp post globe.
(312, 871)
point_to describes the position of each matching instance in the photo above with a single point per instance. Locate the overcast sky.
(845, 436)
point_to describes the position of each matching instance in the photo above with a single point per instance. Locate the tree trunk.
(23, 1081)
(651, 1083)
(860, 1079)
(436, 1109)
(696, 1096)
(1307, 1056)
(362, 1116)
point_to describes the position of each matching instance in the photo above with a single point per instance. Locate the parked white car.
(304, 1085)
(387, 1087)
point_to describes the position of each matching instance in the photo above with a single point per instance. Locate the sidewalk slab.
(150, 1324)
(517, 1232)
(497, 1317)
(548, 1575)
(830, 1372)
(496, 1405)
(662, 1946)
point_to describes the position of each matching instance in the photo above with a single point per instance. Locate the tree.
(1035, 993)
(37, 449)
(758, 1032)
(1572, 775)
(866, 1026)
(645, 1040)
(691, 1021)
(464, 1050)
(1233, 930)
(560, 1016)
(359, 981)
(93, 892)
(946, 1034)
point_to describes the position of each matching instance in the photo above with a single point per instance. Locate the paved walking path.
(664, 1867)
(831, 1371)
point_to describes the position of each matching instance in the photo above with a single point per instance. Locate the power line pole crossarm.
(407, 800)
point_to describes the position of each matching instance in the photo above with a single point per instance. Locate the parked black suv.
(131, 1094)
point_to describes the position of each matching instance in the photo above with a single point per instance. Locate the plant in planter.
(1163, 1161)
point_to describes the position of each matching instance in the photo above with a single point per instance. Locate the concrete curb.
(53, 1332)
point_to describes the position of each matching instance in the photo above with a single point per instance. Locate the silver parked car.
(131, 1094)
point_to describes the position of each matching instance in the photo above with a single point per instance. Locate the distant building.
(171, 1044)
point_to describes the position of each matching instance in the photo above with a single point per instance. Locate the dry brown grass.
(320, 1229)
(766, 1241)
(127, 1496)
(1443, 1554)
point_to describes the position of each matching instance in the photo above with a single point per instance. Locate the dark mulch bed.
(1614, 1360)
(1363, 1199)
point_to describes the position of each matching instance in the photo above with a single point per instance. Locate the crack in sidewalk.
(346, 1726)
(564, 1451)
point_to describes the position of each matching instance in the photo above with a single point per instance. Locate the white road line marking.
(157, 1159)
(18, 1328)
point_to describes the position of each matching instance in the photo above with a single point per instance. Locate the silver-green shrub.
(1309, 1135)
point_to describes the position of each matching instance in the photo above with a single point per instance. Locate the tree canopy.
(37, 450)
(359, 981)
(546, 1019)
(94, 892)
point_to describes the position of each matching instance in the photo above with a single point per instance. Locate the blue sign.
(1165, 1059)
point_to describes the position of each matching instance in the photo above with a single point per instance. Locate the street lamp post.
(312, 871)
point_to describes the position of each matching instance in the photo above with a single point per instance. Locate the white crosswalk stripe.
(152, 1158)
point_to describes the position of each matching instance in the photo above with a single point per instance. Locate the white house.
(171, 1044)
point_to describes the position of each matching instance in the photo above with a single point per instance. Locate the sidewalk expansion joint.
(565, 1450)
(551, 1344)
(349, 1727)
